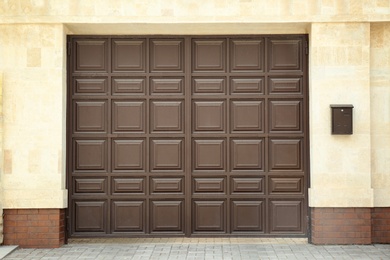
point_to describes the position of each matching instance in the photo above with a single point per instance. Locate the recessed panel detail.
(206, 185)
(285, 85)
(286, 185)
(123, 185)
(209, 86)
(166, 86)
(90, 185)
(90, 86)
(128, 86)
(247, 86)
(249, 184)
(166, 185)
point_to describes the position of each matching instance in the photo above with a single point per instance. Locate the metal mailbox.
(342, 119)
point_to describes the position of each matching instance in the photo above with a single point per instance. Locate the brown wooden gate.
(187, 136)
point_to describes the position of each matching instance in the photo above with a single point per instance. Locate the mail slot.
(341, 119)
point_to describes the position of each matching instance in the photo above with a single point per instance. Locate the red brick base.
(381, 225)
(34, 228)
(350, 225)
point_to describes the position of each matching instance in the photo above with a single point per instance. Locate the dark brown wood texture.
(188, 136)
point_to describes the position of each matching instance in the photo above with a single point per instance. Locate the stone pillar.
(1, 158)
(340, 164)
(380, 130)
(33, 62)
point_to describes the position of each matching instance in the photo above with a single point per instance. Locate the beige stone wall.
(193, 11)
(33, 65)
(380, 112)
(340, 74)
(1, 157)
(349, 64)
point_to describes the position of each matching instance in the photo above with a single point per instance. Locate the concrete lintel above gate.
(188, 28)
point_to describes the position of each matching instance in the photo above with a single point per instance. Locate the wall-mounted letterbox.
(341, 119)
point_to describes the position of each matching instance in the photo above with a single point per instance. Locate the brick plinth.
(381, 225)
(34, 228)
(341, 225)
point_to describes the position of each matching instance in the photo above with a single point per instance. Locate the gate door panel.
(187, 136)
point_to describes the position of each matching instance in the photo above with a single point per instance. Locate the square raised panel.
(286, 216)
(209, 216)
(83, 210)
(128, 116)
(247, 216)
(209, 55)
(128, 216)
(285, 154)
(166, 116)
(209, 154)
(166, 55)
(285, 55)
(91, 55)
(166, 154)
(167, 216)
(209, 116)
(285, 115)
(128, 55)
(247, 154)
(128, 155)
(90, 116)
(90, 155)
(247, 115)
(247, 55)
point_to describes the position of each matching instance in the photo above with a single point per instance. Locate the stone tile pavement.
(201, 248)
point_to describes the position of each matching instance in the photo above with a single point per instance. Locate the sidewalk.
(202, 248)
